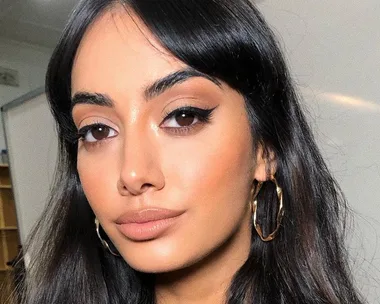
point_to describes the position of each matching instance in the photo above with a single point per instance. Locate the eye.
(181, 119)
(96, 132)
(186, 117)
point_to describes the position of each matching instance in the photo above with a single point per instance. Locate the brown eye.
(96, 132)
(100, 132)
(185, 119)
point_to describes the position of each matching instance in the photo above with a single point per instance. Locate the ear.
(265, 166)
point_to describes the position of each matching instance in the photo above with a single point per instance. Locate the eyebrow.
(155, 89)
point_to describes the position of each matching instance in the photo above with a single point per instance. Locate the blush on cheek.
(230, 158)
(94, 185)
(219, 170)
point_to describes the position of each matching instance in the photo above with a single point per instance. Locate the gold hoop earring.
(255, 192)
(104, 243)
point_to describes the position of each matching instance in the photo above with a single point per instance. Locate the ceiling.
(37, 22)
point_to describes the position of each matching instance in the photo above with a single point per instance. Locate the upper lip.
(147, 215)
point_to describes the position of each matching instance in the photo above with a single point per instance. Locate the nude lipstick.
(147, 224)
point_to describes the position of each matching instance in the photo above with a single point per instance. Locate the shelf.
(9, 234)
(6, 269)
(9, 228)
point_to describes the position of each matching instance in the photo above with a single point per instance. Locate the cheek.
(98, 178)
(216, 166)
(213, 176)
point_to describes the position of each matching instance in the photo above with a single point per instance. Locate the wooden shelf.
(5, 186)
(6, 269)
(8, 228)
(9, 238)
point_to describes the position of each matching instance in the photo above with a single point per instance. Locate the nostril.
(122, 188)
(131, 189)
(135, 182)
(145, 187)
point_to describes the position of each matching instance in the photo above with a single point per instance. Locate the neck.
(207, 281)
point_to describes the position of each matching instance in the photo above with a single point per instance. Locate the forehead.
(118, 52)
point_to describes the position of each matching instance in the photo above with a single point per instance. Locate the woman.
(187, 171)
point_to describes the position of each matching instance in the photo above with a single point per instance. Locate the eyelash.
(82, 133)
(202, 115)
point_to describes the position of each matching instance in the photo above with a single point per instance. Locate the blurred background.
(333, 50)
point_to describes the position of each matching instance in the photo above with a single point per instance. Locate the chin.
(156, 265)
(154, 256)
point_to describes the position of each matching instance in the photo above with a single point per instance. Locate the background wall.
(32, 143)
(30, 61)
(333, 48)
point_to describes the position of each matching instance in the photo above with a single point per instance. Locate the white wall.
(333, 48)
(31, 135)
(31, 63)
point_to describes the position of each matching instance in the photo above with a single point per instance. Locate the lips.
(147, 224)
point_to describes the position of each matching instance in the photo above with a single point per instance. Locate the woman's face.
(170, 187)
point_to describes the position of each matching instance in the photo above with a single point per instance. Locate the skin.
(207, 171)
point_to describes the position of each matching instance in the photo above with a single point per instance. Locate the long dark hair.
(228, 40)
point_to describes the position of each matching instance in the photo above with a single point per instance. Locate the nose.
(140, 167)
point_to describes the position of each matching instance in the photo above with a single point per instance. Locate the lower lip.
(146, 231)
